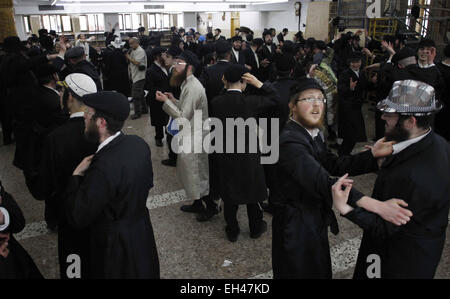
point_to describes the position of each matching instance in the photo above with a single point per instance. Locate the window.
(136, 20)
(66, 24)
(128, 24)
(83, 23)
(45, 22)
(158, 21)
(166, 21)
(26, 21)
(121, 24)
(151, 21)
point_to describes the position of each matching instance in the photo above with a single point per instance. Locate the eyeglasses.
(312, 100)
(179, 63)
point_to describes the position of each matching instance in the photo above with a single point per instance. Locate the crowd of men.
(64, 103)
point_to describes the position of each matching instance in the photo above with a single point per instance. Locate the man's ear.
(410, 122)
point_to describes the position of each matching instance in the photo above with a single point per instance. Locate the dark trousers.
(137, 92)
(254, 213)
(346, 147)
(172, 154)
(209, 202)
(159, 130)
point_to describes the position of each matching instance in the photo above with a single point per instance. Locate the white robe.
(192, 168)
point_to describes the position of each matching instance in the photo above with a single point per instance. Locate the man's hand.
(252, 80)
(389, 47)
(4, 238)
(367, 52)
(340, 191)
(248, 67)
(83, 166)
(381, 148)
(392, 211)
(161, 97)
(264, 63)
(170, 96)
(353, 84)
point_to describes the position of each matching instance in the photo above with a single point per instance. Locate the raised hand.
(381, 148)
(340, 191)
(252, 80)
(83, 166)
(353, 84)
(161, 97)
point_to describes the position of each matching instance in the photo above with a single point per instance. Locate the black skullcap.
(189, 58)
(45, 69)
(75, 52)
(266, 32)
(426, 42)
(218, 29)
(174, 51)
(222, 47)
(299, 34)
(233, 73)
(209, 35)
(405, 52)
(111, 103)
(284, 63)
(42, 32)
(257, 42)
(321, 45)
(304, 84)
(236, 38)
(141, 29)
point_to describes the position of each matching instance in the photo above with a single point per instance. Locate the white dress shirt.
(107, 140)
(398, 147)
(77, 114)
(236, 54)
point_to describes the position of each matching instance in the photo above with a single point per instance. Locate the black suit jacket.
(110, 200)
(251, 61)
(268, 72)
(420, 176)
(241, 58)
(155, 80)
(211, 79)
(303, 202)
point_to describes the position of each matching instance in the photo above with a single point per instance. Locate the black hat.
(288, 47)
(141, 29)
(266, 32)
(304, 84)
(13, 44)
(42, 32)
(246, 30)
(356, 37)
(426, 42)
(285, 63)
(209, 35)
(405, 52)
(233, 73)
(111, 103)
(354, 56)
(299, 34)
(321, 45)
(236, 38)
(174, 51)
(52, 32)
(222, 47)
(74, 52)
(157, 51)
(189, 58)
(218, 29)
(257, 42)
(45, 70)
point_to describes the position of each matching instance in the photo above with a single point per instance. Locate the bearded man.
(303, 197)
(192, 167)
(107, 194)
(418, 171)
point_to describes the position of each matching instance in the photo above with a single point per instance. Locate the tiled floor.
(187, 248)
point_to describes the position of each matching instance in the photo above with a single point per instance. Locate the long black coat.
(268, 72)
(63, 150)
(111, 202)
(115, 71)
(303, 202)
(350, 119)
(241, 174)
(251, 61)
(442, 124)
(155, 80)
(211, 79)
(241, 58)
(420, 176)
(18, 264)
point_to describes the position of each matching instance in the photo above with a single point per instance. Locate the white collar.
(224, 60)
(77, 114)
(107, 140)
(313, 133)
(425, 66)
(57, 92)
(234, 89)
(356, 72)
(398, 147)
(445, 63)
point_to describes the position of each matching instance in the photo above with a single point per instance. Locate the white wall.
(20, 27)
(110, 20)
(189, 20)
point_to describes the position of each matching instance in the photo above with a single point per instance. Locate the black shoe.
(192, 209)
(169, 162)
(136, 116)
(267, 208)
(207, 214)
(262, 230)
(232, 236)
(158, 143)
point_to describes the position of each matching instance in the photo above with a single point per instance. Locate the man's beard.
(237, 50)
(91, 133)
(178, 78)
(397, 134)
(309, 124)
(269, 43)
